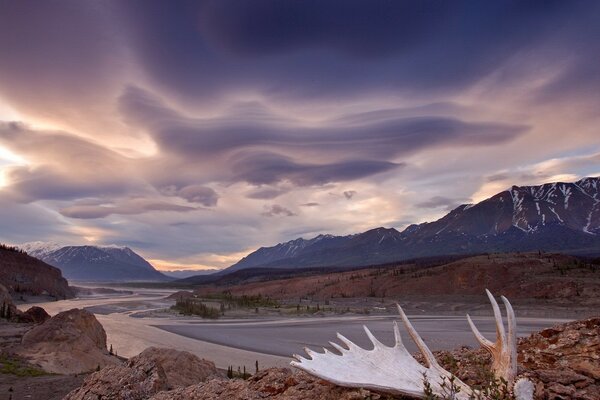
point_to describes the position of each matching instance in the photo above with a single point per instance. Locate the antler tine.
(487, 344)
(427, 354)
(338, 347)
(376, 343)
(511, 345)
(512, 323)
(347, 341)
(397, 336)
(498, 317)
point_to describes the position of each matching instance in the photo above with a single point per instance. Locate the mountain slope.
(95, 263)
(551, 217)
(22, 274)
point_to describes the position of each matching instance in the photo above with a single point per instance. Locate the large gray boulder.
(71, 342)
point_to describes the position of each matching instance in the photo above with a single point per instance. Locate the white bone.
(386, 369)
(394, 370)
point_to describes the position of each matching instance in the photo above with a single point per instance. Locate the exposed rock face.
(564, 360)
(274, 383)
(70, 342)
(152, 371)
(22, 274)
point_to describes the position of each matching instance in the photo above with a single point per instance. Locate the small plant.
(14, 367)
(494, 389)
(428, 389)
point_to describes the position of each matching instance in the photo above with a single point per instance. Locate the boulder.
(138, 380)
(71, 342)
(34, 315)
(152, 371)
(182, 368)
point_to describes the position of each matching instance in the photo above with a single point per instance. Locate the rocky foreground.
(564, 363)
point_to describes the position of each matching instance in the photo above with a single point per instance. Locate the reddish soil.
(518, 276)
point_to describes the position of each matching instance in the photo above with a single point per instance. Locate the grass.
(17, 368)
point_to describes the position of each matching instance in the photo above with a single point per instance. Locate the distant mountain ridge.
(550, 217)
(95, 263)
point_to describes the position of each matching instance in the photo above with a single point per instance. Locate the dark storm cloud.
(301, 48)
(260, 168)
(129, 207)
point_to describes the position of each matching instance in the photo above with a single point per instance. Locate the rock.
(138, 380)
(182, 368)
(273, 383)
(152, 371)
(35, 315)
(564, 360)
(71, 342)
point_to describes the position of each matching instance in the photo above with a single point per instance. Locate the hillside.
(517, 276)
(25, 275)
(554, 217)
(96, 263)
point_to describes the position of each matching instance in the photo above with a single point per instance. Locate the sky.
(196, 132)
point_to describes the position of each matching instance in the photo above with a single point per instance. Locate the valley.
(140, 320)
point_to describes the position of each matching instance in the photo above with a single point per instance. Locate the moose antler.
(394, 370)
(386, 369)
(504, 350)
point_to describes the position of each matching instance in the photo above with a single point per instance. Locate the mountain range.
(95, 263)
(560, 217)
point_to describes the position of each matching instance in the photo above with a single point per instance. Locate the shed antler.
(386, 369)
(504, 350)
(395, 370)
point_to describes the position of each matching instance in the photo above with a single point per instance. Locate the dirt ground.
(47, 387)
(15, 387)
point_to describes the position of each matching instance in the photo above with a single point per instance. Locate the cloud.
(129, 207)
(277, 210)
(441, 201)
(193, 194)
(267, 193)
(260, 168)
(320, 48)
(349, 194)
(257, 126)
(218, 104)
(63, 166)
